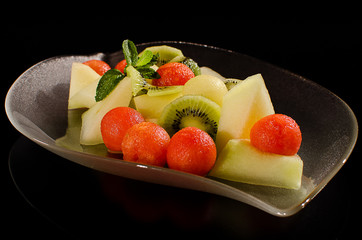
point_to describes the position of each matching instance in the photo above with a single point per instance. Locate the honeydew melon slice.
(242, 106)
(151, 107)
(84, 98)
(90, 133)
(240, 161)
(209, 71)
(81, 76)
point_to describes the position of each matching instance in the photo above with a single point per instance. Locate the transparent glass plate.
(36, 105)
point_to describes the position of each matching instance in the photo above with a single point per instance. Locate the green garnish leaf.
(153, 61)
(148, 72)
(130, 52)
(143, 63)
(107, 83)
(145, 58)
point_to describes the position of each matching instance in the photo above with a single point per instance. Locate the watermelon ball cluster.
(125, 131)
(190, 150)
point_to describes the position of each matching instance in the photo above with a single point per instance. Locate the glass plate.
(36, 105)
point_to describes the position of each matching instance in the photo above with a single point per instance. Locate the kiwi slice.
(231, 82)
(161, 91)
(165, 53)
(138, 82)
(141, 86)
(191, 111)
(192, 65)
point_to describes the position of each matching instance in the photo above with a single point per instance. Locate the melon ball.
(276, 133)
(207, 86)
(146, 143)
(115, 124)
(191, 150)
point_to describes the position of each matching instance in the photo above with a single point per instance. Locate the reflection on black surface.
(88, 203)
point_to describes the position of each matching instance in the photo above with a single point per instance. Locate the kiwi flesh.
(138, 82)
(161, 91)
(141, 86)
(165, 53)
(192, 65)
(231, 82)
(191, 111)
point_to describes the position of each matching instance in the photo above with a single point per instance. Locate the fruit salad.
(158, 107)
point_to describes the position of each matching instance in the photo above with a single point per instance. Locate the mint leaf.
(145, 58)
(148, 72)
(154, 60)
(130, 52)
(107, 83)
(142, 63)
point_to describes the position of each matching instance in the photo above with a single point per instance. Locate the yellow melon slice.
(81, 76)
(242, 106)
(91, 120)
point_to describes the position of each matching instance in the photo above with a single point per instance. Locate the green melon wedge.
(243, 106)
(91, 120)
(240, 161)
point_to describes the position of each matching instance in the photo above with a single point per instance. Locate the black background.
(328, 54)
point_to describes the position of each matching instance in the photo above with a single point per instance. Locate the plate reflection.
(89, 203)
